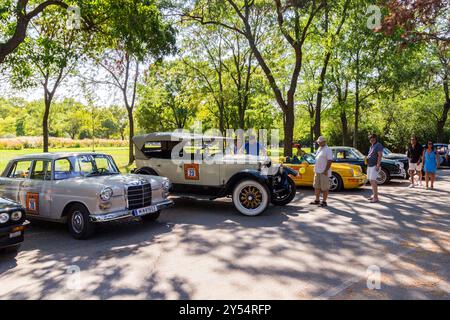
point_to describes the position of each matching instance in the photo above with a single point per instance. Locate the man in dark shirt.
(374, 164)
(415, 151)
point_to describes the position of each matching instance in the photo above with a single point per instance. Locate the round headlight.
(166, 185)
(16, 215)
(4, 217)
(106, 194)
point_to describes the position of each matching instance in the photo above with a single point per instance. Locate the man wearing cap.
(322, 172)
(374, 165)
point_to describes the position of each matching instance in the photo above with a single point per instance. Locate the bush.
(19, 143)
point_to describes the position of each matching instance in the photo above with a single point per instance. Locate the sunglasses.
(430, 144)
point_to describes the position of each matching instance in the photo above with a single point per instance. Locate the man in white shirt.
(322, 172)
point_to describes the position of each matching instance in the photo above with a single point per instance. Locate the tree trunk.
(344, 122)
(317, 126)
(288, 131)
(441, 122)
(357, 104)
(45, 124)
(130, 141)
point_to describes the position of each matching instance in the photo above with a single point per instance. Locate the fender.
(145, 171)
(244, 174)
(290, 171)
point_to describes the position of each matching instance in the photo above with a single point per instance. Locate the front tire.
(383, 177)
(286, 197)
(152, 217)
(336, 183)
(250, 197)
(79, 222)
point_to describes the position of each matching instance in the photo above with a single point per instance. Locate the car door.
(35, 191)
(12, 184)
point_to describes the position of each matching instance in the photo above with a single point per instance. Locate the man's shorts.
(415, 167)
(372, 173)
(321, 181)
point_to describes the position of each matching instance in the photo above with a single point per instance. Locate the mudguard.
(245, 174)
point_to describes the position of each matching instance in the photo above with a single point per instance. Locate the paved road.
(204, 250)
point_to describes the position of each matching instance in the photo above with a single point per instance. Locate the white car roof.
(175, 136)
(53, 156)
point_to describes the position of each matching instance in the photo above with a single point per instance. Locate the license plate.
(15, 234)
(144, 211)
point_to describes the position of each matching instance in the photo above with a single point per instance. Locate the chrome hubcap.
(381, 177)
(77, 222)
(333, 183)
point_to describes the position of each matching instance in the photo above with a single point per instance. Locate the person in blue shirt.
(253, 147)
(431, 163)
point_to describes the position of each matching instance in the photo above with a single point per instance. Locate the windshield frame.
(357, 153)
(74, 173)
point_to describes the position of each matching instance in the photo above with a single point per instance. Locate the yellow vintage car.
(344, 176)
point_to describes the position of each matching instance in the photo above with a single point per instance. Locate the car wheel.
(336, 183)
(287, 196)
(383, 177)
(251, 197)
(79, 222)
(151, 217)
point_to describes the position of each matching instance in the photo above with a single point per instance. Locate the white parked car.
(81, 189)
(253, 182)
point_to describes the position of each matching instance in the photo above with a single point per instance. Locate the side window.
(351, 155)
(41, 170)
(21, 169)
(63, 169)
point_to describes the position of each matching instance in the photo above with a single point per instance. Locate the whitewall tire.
(250, 197)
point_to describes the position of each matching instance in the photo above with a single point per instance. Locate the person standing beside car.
(431, 163)
(447, 156)
(374, 165)
(322, 172)
(414, 154)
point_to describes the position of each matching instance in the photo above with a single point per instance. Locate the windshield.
(386, 151)
(85, 166)
(310, 158)
(358, 153)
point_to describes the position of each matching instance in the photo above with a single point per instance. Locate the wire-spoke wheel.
(250, 197)
(383, 177)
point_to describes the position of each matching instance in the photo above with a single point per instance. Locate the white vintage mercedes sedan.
(82, 189)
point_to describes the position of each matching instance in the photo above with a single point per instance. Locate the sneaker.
(411, 186)
(323, 204)
(315, 203)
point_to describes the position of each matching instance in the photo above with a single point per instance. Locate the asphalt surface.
(396, 249)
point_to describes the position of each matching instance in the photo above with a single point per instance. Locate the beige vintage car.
(201, 166)
(82, 189)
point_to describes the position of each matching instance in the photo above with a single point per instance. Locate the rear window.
(20, 169)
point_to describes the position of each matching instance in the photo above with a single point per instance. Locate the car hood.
(345, 166)
(396, 156)
(245, 158)
(5, 204)
(120, 180)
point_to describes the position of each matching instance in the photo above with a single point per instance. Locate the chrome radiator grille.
(139, 196)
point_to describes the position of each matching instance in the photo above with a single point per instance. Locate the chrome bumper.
(401, 174)
(125, 213)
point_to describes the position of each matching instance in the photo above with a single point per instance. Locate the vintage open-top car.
(12, 225)
(253, 182)
(81, 189)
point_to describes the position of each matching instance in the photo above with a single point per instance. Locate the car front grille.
(139, 196)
